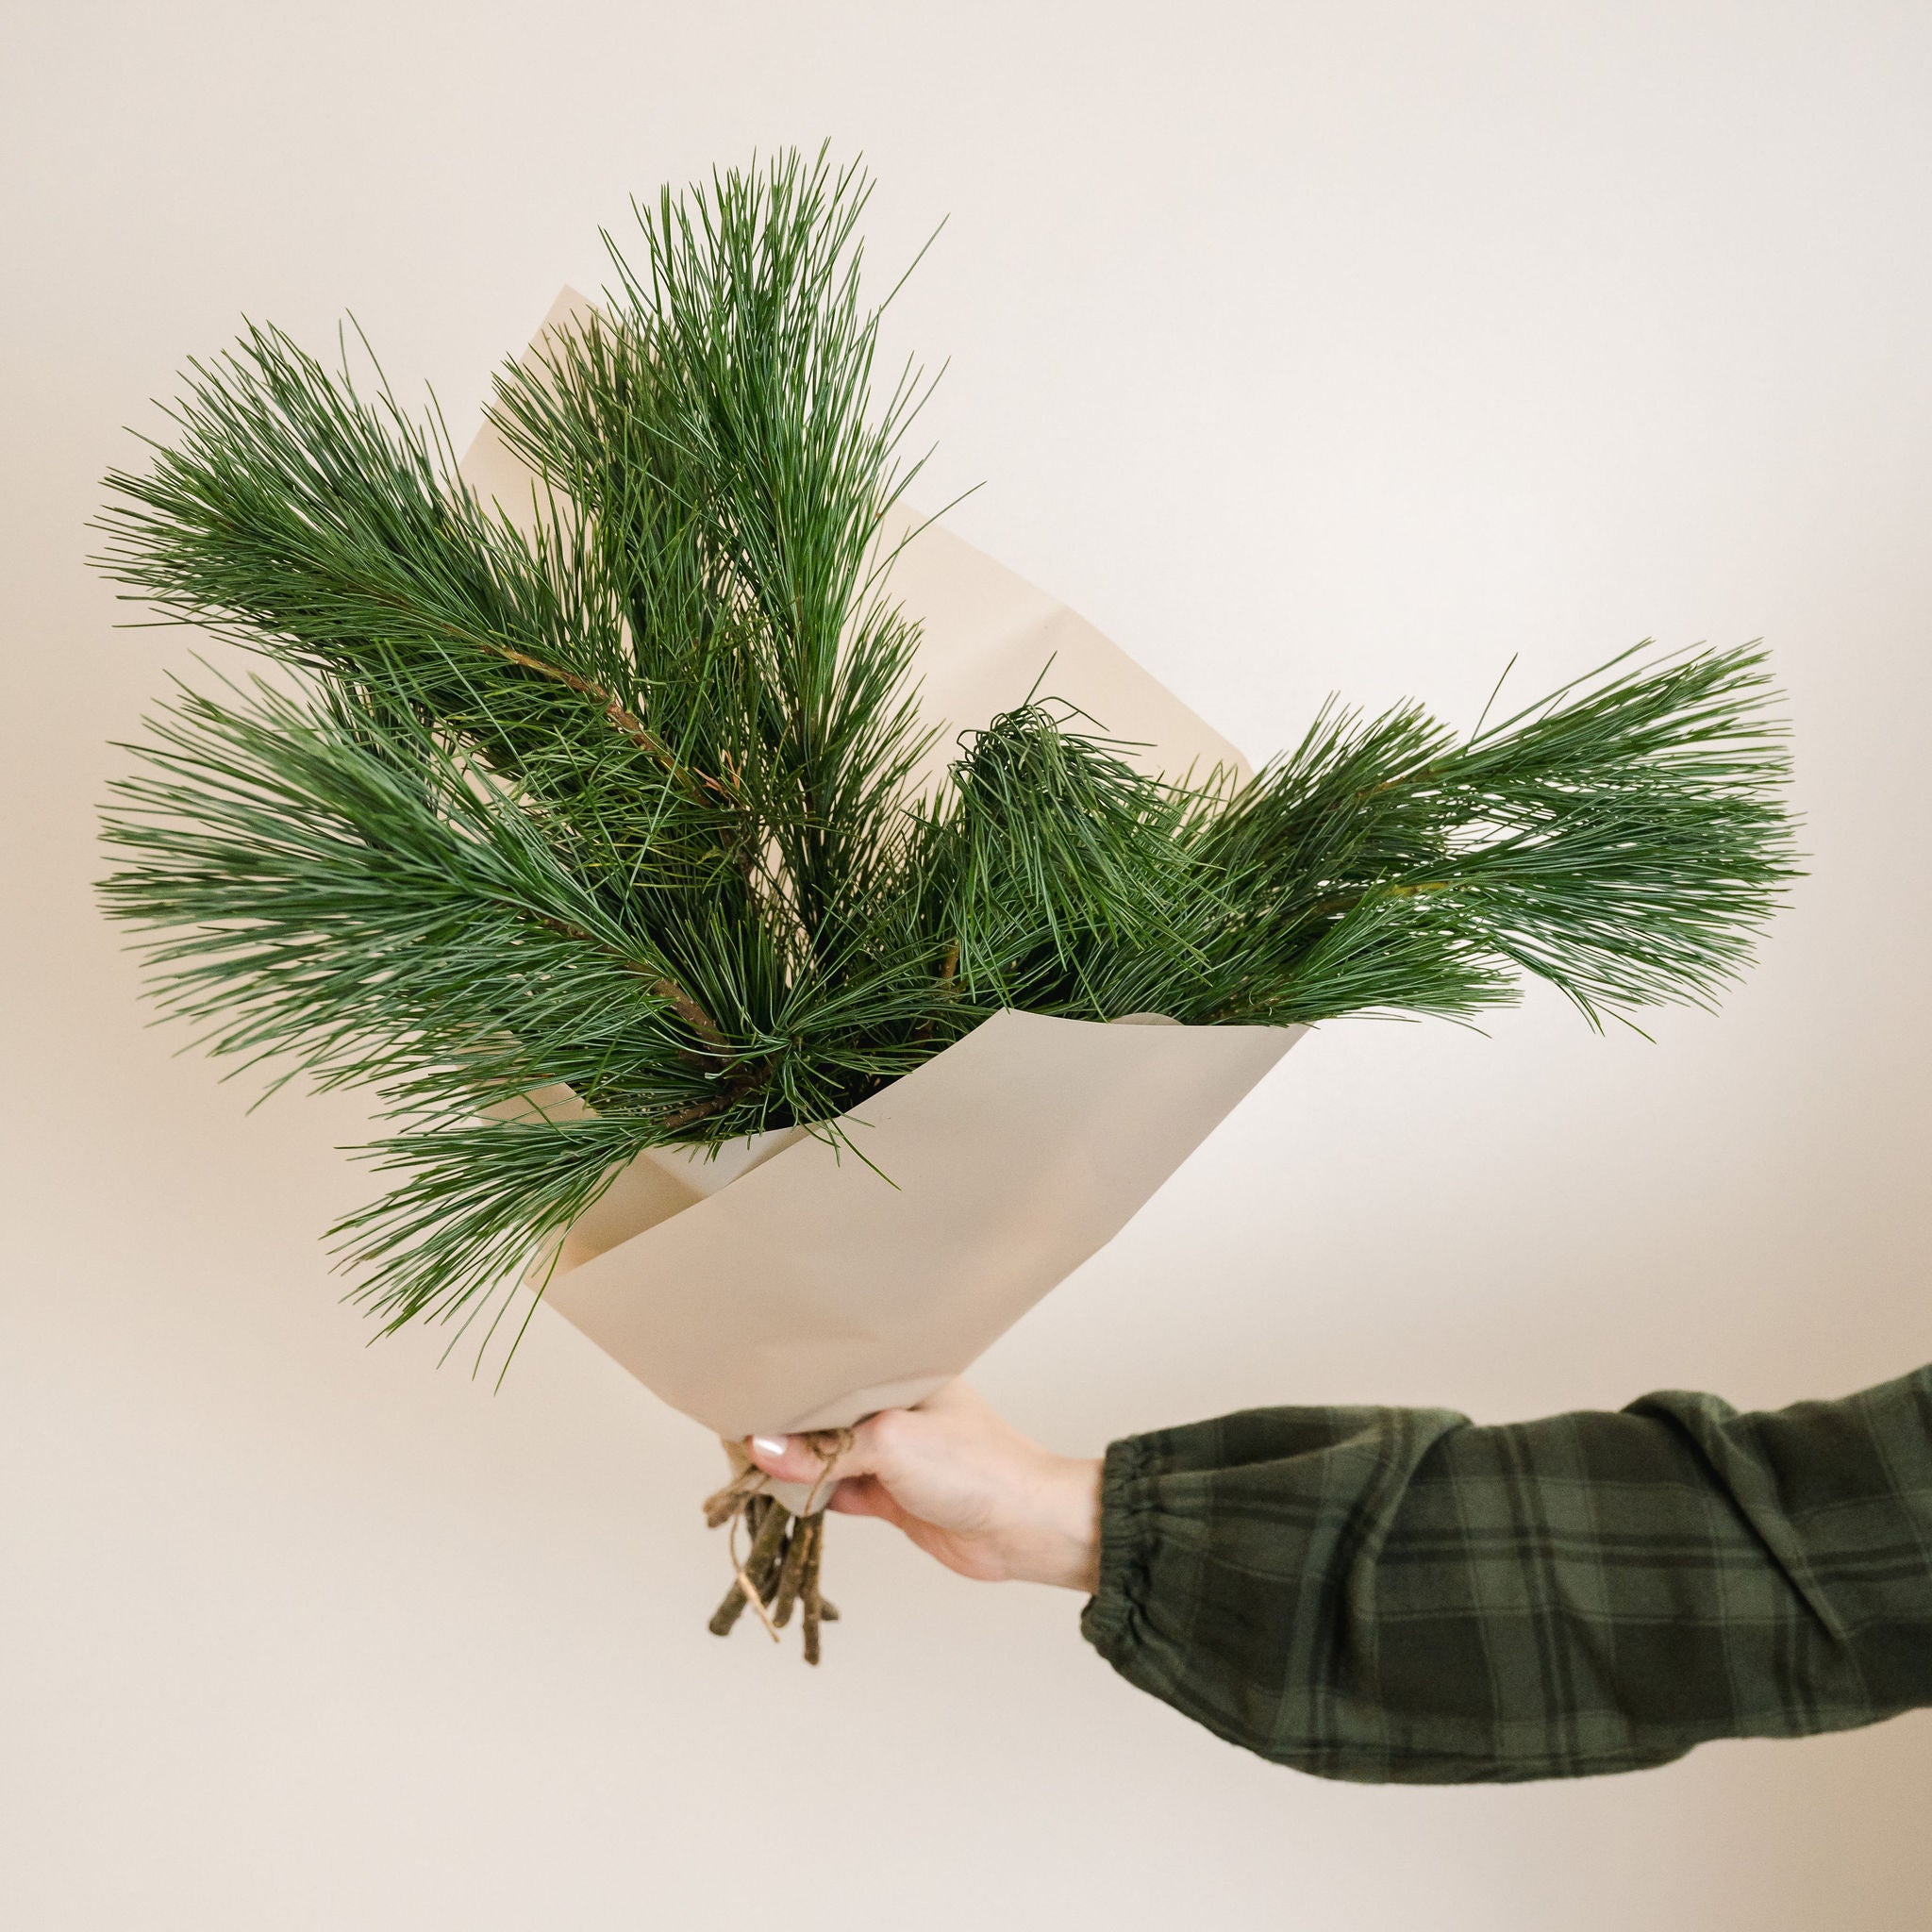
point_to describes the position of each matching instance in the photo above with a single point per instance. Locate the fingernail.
(771, 1446)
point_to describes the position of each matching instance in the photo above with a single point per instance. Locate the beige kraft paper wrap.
(785, 1283)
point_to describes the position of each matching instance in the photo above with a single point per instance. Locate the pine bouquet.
(719, 977)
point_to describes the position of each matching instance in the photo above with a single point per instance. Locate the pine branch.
(623, 802)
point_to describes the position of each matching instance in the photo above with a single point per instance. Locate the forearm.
(1391, 1595)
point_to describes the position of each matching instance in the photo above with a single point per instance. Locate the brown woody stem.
(814, 1604)
(791, 1573)
(688, 1010)
(764, 1552)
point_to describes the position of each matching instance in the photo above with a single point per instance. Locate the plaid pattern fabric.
(1398, 1595)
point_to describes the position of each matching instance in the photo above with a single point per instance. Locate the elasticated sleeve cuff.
(1127, 1526)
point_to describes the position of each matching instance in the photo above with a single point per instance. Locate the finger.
(867, 1496)
(852, 1496)
(793, 1459)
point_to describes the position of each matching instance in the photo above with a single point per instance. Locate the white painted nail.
(771, 1447)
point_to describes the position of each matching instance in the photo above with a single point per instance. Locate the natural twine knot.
(780, 1571)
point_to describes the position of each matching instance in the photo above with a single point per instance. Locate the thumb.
(803, 1458)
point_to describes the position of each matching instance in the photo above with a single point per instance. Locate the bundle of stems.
(781, 1570)
(620, 794)
(780, 1574)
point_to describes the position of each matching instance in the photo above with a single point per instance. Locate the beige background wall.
(1302, 346)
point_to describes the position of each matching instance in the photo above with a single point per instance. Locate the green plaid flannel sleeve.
(1398, 1595)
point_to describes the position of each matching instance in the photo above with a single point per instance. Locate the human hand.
(964, 1485)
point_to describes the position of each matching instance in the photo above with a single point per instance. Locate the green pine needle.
(623, 803)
